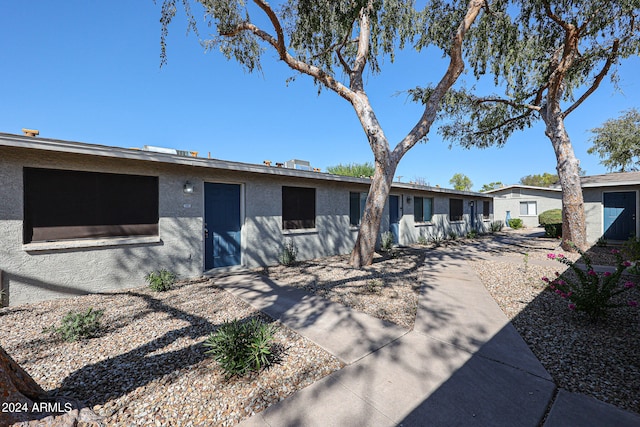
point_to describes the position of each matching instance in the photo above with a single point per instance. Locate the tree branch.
(532, 107)
(605, 69)
(554, 17)
(455, 68)
(280, 45)
(504, 123)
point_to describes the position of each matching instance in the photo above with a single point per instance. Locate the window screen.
(64, 204)
(357, 202)
(298, 208)
(455, 210)
(423, 209)
(486, 209)
(528, 208)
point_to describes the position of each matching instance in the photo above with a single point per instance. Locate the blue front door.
(619, 215)
(222, 225)
(394, 217)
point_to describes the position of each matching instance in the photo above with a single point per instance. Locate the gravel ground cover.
(147, 367)
(601, 360)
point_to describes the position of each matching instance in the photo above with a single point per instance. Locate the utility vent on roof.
(298, 164)
(163, 150)
(30, 132)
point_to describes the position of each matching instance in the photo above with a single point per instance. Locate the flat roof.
(72, 147)
(529, 187)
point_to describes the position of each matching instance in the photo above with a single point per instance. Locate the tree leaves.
(617, 142)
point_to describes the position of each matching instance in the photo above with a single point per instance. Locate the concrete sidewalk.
(462, 364)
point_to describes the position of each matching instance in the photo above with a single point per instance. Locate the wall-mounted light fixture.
(471, 203)
(408, 200)
(188, 188)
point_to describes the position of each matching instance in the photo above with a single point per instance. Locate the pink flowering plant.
(592, 292)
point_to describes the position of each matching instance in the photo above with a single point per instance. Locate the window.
(528, 208)
(422, 209)
(356, 207)
(71, 205)
(455, 210)
(486, 209)
(298, 208)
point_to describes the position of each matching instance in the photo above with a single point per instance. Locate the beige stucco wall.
(594, 209)
(32, 274)
(505, 200)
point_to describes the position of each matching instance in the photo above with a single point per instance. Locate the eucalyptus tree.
(336, 43)
(360, 170)
(617, 142)
(547, 57)
(461, 182)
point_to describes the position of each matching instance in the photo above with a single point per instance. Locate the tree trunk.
(22, 394)
(364, 248)
(573, 219)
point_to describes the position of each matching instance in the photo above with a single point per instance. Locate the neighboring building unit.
(611, 204)
(524, 202)
(77, 218)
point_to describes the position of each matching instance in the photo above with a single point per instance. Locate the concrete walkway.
(462, 364)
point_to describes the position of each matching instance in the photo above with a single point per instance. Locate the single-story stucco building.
(525, 202)
(77, 218)
(611, 204)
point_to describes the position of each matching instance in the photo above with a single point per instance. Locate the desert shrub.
(452, 235)
(76, 326)
(161, 280)
(516, 223)
(289, 253)
(386, 242)
(241, 347)
(437, 239)
(553, 230)
(374, 286)
(422, 240)
(552, 216)
(591, 292)
(631, 249)
(472, 234)
(496, 226)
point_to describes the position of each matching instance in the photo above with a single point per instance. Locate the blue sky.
(90, 71)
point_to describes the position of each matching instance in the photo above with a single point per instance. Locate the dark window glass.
(298, 208)
(455, 210)
(418, 209)
(354, 208)
(486, 209)
(63, 204)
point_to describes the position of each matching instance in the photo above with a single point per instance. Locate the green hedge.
(516, 223)
(553, 216)
(553, 230)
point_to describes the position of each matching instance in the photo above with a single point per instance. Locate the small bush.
(553, 230)
(241, 347)
(289, 253)
(437, 239)
(496, 226)
(472, 234)
(161, 280)
(386, 242)
(591, 292)
(422, 240)
(452, 235)
(516, 223)
(77, 326)
(631, 249)
(374, 286)
(552, 216)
